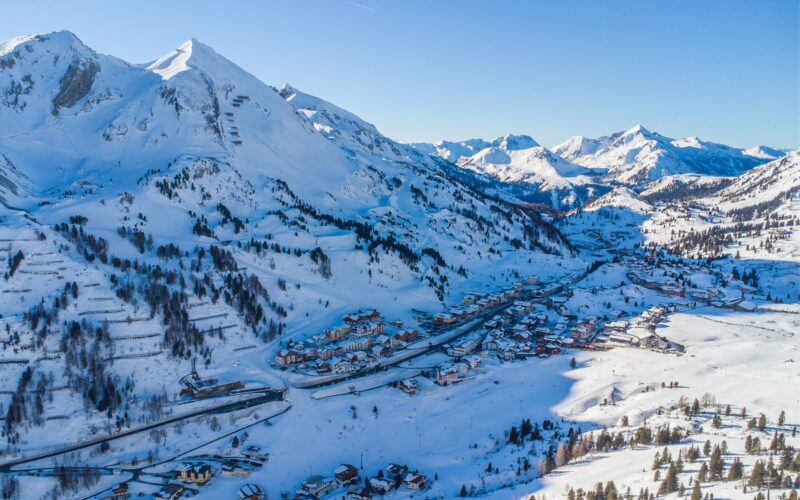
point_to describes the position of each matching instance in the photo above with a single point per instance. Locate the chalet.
(466, 345)
(493, 323)
(340, 365)
(119, 491)
(346, 474)
(255, 452)
(380, 485)
(317, 486)
(361, 316)
(171, 491)
(367, 328)
(322, 366)
(484, 304)
(288, 357)
(415, 481)
(444, 319)
(408, 385)
(234, 468)
(357, 357)
(406, 335)
(384, 340)
(472, 361)
(251, 492)
(379, 351)
(199, 474)
(731, 303)
(616, 326)
(470, 299)
(745, 305)
(623, 340)
(581, 332)
(673, 291)
(521, 335)
(359, 493)
(449, 373)
(393, 471)
(648, 282)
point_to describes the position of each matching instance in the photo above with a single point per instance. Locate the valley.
(219, 288)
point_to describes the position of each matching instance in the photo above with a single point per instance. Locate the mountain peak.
(511, 142)
(638, 129)
(191, 54)
(56, 41)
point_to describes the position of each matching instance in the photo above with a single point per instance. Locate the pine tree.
(702, 474)
(782, 418)
(736, 470)
(697, 494)
(670, 482)
(757, 475)
(513, 436)
(463, 492)
(762, 422)
(716, 464)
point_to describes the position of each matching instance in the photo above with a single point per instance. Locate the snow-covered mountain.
(638, 156)
(510, 158)
(192, 130)
(533, 172)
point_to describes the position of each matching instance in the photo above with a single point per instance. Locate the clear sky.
(724, 70)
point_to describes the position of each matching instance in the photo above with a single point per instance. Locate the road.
(211, 410)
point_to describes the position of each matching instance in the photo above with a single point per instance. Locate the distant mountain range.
(632, 157)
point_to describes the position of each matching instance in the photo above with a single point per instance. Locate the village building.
(470, 298)
(367, 328)
(449, 373)
(358, 317)
(317, 486)
(255, 452)
(198, 474)
(359, 493)
(337, 332)
(380, 485)
(394, 471)
(415, 481)
(408, 385)
(352, 345)
(288, 357)
(466, 345)
(346, 474)
(171, 491)
(472, 361)
(444, 319)
(251, 492)
(406, 335)
(340, 365)
(119, 491)
(234, 468)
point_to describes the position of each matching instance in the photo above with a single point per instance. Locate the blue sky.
(724, 70)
